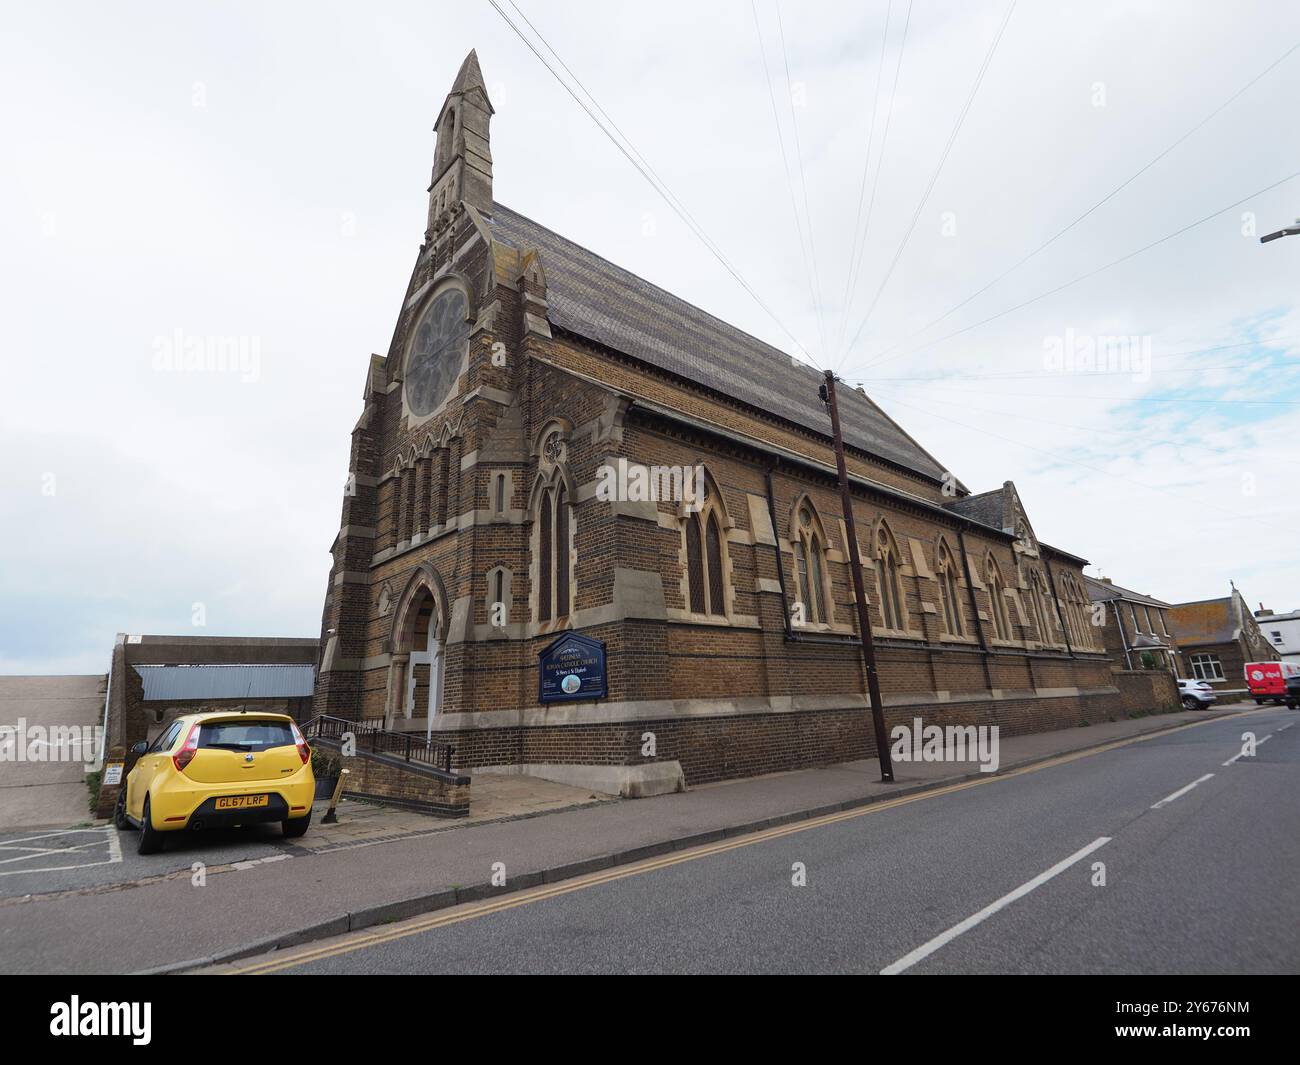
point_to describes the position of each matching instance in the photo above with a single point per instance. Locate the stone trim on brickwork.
(678, 709)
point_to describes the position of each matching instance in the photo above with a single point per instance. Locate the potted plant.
(325, 766)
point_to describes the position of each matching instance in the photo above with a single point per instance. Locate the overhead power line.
(1014, 375)
(879, 356)
(1056, 456)
(1091, 273)
(803, 180)
(934, 177)
(855, 267)
(789, 177)
(624, 144)
(1102, 431)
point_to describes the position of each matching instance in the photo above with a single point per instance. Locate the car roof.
(262, 715)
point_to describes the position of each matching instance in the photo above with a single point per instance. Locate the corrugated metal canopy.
(225, 682)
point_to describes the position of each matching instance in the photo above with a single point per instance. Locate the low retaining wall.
(1147, 690)
(396, 782)
(712, 748)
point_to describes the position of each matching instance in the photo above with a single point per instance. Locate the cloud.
(257, 175)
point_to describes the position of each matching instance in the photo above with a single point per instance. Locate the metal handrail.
(409, 747)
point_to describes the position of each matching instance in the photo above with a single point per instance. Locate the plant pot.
(325, 786)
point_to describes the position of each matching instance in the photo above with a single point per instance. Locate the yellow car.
(216, 770)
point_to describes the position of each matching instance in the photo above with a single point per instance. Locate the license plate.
(242, 802)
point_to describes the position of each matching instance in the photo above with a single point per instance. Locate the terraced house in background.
(473, 535)
(1218, 637)
(1135, 628)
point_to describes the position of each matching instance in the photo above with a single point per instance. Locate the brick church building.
(523, 370)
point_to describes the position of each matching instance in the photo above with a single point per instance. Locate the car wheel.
(1191, 703)
(295, 827)
(119, 809)
(151, 840)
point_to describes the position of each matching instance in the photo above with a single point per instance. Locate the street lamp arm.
(1290, 231)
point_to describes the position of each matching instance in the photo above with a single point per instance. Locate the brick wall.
(398, 783)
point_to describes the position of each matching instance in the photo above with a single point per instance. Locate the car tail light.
(185, 755)
(304, 752)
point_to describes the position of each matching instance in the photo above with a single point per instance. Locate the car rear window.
(246, 735)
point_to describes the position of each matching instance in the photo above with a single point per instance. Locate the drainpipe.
(776, 547)
(1119, 624)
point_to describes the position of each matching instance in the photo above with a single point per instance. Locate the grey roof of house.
(592, 298)
(1100, 590)
(985, 508)
(225, 682)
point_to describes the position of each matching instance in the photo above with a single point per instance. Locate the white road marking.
(114, 851)
(926, 949)
(1283, 728)
(1181, 791)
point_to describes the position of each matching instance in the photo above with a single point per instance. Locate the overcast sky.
(255, 174)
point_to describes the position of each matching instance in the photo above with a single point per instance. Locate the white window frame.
(1200, 662)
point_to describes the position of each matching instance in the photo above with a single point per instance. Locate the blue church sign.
(573, 667)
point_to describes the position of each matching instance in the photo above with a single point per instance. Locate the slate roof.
(592, 298)
(1099, 591)
(226, 682)
(985, 508)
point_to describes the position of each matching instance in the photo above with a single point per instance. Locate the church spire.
(462, 164)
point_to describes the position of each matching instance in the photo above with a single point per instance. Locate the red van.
(1267, 681)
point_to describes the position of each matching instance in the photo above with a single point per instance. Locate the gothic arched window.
(997, 599)
(443, 486)
(553, 553)
(706, 558)
(1038, 601)
(948, 594)
(810, 568)
(892, 610)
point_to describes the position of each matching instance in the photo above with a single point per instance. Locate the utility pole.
(855, 565)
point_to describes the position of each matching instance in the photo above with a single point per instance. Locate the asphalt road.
(997, 877)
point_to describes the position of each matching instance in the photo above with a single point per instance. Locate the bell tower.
(462, 162)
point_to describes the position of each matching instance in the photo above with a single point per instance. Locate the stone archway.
(416, 672)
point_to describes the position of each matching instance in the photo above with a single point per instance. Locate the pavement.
(51, 790)
(1176, 854)
(247, 891)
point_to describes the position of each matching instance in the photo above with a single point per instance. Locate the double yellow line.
(362, 940)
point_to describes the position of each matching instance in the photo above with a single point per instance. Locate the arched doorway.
(424, 678)
(416, 674)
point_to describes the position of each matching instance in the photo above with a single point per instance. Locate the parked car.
(1195, 694)
(1268, 681)
(216, 770)
(1293, 691)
